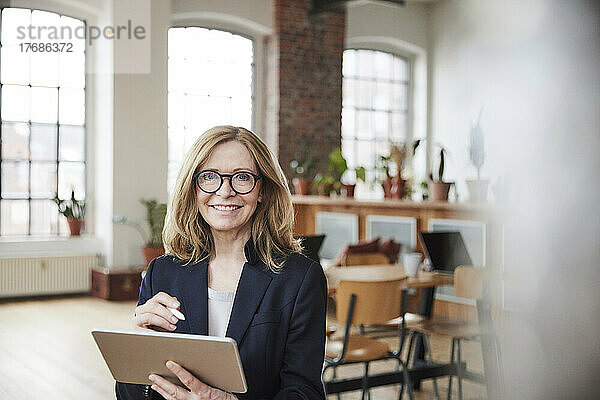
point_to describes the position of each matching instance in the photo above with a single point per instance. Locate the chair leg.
(459, 370)
(430, 356)
(366, 382)
(410, 346)
(450, 376)
(406, 381)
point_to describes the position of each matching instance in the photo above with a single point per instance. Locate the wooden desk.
(385, 273)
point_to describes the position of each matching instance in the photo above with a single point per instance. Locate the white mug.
(411, 262)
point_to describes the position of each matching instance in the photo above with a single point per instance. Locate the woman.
(234, 269)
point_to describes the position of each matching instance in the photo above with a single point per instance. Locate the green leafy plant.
(72, 208)
(332, 181)
(303, 164)
(442, 155)
(155, 219)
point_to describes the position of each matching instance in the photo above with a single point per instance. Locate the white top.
(219, 310)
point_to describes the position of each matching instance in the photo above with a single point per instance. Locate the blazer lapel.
(193, 283)
(250, 291)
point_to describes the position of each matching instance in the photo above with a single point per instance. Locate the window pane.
(43, 142)
(43, 179)
(364, 95)
(44, 19)
(348, 93)
(398, 127)
(15, 179)
(11, 19)
(44, 104)
(15, 141)
(382, 63)
(348, 125)
(365, 128)
(177, 43)
(15, 217)
(364, 153)
(349, 63)
(44, 216)
(71, 175)
(44, 68)
(349, 152)
(14, 65)
(365, 63)
(400, 69)
(381, 96)
(72, 70)
(71, 106)
(400, 101)
(75, 27)
(72, 143)
(176, 110)
(176, 149)
(381, 124)
(15, 103)
(176, 74)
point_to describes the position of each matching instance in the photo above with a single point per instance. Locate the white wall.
(534, 67)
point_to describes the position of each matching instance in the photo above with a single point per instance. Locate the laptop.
(446, 250)
(312, 244)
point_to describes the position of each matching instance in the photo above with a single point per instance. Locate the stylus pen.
(176, 313)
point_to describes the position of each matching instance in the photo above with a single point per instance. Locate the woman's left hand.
(197, 389)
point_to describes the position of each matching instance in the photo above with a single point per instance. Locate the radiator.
(35, 276)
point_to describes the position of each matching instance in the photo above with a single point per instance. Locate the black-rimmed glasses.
(242, 182)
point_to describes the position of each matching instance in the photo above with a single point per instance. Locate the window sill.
(49, 246)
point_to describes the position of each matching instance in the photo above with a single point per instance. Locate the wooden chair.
(364, 302)
(469, 284)
(354, 259)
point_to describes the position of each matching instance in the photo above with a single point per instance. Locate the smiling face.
(226, 211)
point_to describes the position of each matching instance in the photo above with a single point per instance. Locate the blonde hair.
(188, 236)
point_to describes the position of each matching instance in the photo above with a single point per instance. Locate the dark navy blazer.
(278, 321)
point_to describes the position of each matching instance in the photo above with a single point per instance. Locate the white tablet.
(133, 355)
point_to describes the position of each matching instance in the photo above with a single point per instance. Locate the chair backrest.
(376, 302)
(468, 281)
(311, 244)
(353, 259)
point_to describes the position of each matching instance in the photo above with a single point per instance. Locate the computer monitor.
(312, 245)
(446, 250)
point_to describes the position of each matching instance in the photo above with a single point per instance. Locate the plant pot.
(438, 191)
(397, 188)
(150, 253)
(387, 188)
(324, 189)
(75, 225)
(349, 190)
(477, 190)
(302, 186)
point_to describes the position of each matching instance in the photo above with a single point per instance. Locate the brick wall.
(304, 97)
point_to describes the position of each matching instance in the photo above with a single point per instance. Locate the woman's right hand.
(154, 315)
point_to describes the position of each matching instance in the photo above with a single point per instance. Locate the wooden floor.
(47, 351)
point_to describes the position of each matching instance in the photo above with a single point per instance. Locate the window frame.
(185, 23)
(29, 123)
(409, 59)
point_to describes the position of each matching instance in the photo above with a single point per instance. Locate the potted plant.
(73, 210)
(155, 218)
(395, 185)
(477, 188)
(303, 166)
(438, 188)
(332, 181)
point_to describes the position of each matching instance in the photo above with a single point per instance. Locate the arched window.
(210, 83)
(374, 107)
(42, 113)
